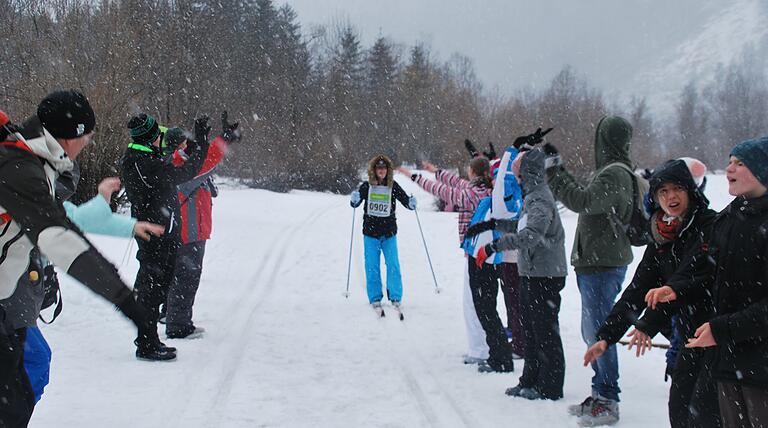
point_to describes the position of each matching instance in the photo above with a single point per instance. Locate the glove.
(473, 153)
(491, 153)
(415, 177)
(229, 131)
(553, 158)
(354, 198)
(484, 253)
(527, 142)
(412, 203)
(202, 129)
(481, 227)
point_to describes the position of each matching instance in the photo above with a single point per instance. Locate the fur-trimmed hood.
(372, 170)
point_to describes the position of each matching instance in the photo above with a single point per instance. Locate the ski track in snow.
(238, 336)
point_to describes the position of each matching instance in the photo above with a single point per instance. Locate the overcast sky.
(516, 43)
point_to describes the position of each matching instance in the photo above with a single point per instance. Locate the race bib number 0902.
(379, 201)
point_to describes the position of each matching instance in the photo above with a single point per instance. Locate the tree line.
(315, 104)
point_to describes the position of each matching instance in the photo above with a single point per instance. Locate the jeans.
(598, 295)
(373, 247)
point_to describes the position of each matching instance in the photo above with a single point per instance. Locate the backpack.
(636, 229)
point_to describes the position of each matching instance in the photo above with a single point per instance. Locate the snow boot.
(582, 408)
(604, 412)
(530, 394)
(187, 332)
(515, 391)
(154, 352)
(492, 367)
(473, 360)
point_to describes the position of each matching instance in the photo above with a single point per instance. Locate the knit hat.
(754, 154)
(66, 114)
(174, 137)
(144, 129)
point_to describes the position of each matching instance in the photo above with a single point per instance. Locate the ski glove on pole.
(481, 227)
(412, 203)
(229, 131)
(354, 198)
(527, 142)
(552, 158)
(485, 252)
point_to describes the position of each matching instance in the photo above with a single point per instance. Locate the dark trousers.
(186, 280)
(693, 394)
(743, 406)
(157, 261)
(510, 287)
(484, 283)
(544, 368)
(17, 401)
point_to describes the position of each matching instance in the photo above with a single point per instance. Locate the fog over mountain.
(645, 47)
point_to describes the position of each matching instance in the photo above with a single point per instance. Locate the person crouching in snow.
(540, 239)
(380, 228)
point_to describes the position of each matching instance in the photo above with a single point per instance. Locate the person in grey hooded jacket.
(540, 239)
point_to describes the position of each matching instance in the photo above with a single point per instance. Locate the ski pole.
(349, 262)
(429, 259)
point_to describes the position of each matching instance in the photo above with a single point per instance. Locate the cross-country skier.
(379, 194)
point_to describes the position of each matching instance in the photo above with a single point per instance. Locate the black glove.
(553, 158)
(481, 227)
(229, 131)
(491, 153)
(202, 129)
(527, 142)
(473, 153)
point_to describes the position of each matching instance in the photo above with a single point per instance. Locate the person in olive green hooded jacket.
(601, 250)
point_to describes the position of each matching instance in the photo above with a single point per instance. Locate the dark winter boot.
(186, 332)
(154, 352)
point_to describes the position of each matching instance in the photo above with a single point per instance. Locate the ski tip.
(402, 318)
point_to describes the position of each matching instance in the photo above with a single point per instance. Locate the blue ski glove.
(354, 198)
(412, 203)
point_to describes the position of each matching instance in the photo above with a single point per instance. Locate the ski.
(399, 310)
(378, 309)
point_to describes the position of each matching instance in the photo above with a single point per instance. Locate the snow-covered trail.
(283, 347)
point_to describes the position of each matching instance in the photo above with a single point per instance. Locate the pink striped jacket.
(461, 195)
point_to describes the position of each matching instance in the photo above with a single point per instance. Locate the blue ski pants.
(373, 247)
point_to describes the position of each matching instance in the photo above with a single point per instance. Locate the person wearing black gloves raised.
(680, 227)
(540, 239)
(601, 248)
(31, 216)
(150, 180)
(195, 197)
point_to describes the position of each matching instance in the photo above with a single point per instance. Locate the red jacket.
(195, 195)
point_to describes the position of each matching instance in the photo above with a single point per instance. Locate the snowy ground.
(285, 348)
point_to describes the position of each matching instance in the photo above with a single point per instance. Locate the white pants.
(478, 347)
